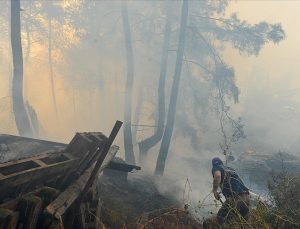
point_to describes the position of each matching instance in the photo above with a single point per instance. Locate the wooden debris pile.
(57, 189)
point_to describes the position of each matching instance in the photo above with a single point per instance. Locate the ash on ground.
(137, 203)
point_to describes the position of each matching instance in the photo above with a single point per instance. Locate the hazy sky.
(270, 82)
(279, 61)
(269, 85)
(264, 81)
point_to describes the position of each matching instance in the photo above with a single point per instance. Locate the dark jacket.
(231, 184)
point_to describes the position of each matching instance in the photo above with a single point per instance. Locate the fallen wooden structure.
(57, 189)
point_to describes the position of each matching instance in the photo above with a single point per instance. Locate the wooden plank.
(20, 172)
(40, 163)
(6, 169)
(30, 179)
(98, 223)
(103, 154)
(29, 208)
(66, 198)
(82, 216)
(8, 219)
(58, 207)
(78, 145)
(28, 175)
(96, 141)
(9, 163)
(69, 176)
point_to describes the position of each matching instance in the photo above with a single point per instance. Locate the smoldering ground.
(89, 69)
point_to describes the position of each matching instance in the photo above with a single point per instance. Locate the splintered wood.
(48, 190)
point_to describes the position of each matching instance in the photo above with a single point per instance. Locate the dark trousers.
(237, 206)
(233, 208)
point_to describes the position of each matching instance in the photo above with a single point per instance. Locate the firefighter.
(232, 187)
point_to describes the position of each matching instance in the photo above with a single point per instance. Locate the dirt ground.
(138, 204)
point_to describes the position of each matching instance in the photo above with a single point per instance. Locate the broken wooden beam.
(29, 208)
(103, 152)
(8, 219)
(24, 175)
(58, 207)
(31, 172)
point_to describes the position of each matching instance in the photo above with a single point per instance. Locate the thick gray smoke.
(243, 64)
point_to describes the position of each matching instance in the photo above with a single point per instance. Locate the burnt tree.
(129, 155)
(148, 143)
(164, 148)
(51, 65)
(21, 117)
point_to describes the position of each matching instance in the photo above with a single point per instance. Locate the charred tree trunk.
(28, 42)
(27, 28)
(51, 66)
(28, 49)
(34, 122)
(26, 60)
(21, 117)
(129, 155)
(74, 109)
(148, 143)
(137, 113)
(163, 152)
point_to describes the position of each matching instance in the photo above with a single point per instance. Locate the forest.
(190, 81)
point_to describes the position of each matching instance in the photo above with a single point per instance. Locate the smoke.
(89, 77)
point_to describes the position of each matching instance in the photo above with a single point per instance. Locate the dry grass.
(263, 217)
(284, 210)
(131, 207)
(167, 218)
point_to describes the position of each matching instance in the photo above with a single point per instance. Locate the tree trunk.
(22, 120)
(137, 114)
(28, 42)
(148, 143)
(51, 66)
(74, 109)
(163, 152)
(28, 48)
(129, 155)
